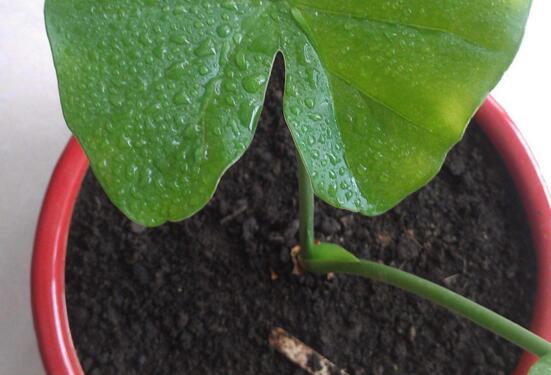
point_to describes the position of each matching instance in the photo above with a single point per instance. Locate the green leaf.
(164, 95)
(542, 366)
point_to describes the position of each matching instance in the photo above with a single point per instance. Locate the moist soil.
(201, 296)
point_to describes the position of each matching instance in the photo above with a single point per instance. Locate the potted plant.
(165, 97)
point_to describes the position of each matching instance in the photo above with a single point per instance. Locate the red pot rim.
(48, 264)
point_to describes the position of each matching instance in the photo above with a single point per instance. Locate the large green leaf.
(164, 95)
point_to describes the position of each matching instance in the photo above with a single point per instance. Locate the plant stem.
(439, 295)
(306, 209)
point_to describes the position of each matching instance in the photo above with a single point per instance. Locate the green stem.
(441, 296)
(306, 208)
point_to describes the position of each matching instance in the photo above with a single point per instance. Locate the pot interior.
(202, 295)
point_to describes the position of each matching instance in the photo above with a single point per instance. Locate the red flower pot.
(48, 268)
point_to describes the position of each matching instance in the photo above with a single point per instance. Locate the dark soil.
(201, 296)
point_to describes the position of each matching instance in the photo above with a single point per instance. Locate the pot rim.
(48, 264)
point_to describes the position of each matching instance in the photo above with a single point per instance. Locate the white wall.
(525, 90)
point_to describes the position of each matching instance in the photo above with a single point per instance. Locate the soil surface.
(202, 295)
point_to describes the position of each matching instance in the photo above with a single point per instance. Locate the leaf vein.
(383, 104)
(417, 27)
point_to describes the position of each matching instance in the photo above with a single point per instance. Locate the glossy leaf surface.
(165, 95)
(541, 367)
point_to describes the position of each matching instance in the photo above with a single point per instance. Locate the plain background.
(33, 134)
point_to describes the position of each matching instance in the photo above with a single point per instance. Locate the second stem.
(306, 208)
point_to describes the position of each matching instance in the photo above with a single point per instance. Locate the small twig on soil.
(449, 280)
(297, 268)
(234, 214)
(302, 355)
